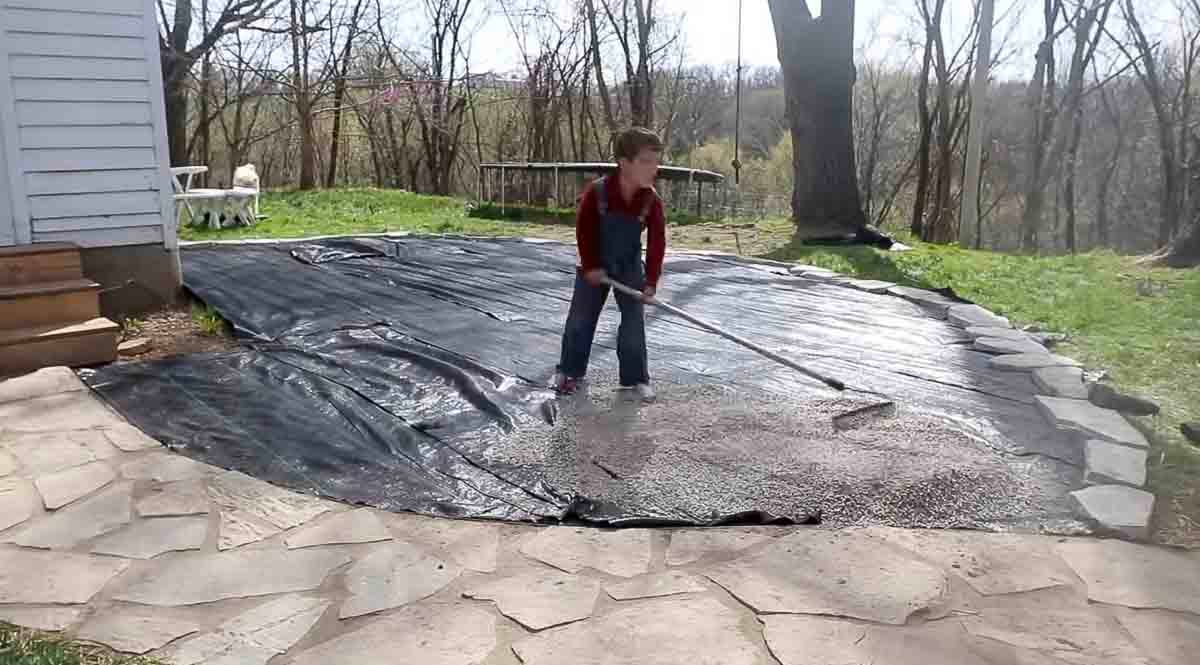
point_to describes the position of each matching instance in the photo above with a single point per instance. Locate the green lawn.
(1139, 324)
(25, 647)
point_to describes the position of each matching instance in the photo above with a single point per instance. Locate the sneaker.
(566, 385)
(644, 391)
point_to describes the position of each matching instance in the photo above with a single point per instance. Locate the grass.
(208, 320)
(1139, 324)
(19, 646)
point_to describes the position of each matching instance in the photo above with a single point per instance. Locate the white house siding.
(84, 130)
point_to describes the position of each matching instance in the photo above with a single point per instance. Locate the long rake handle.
(829, 381)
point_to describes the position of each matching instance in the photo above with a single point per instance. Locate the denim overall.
(621, 258)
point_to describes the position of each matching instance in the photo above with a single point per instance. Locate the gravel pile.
(703, 452)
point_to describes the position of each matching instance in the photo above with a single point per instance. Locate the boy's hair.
(632, 141)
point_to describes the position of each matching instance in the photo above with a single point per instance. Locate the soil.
(173, 332)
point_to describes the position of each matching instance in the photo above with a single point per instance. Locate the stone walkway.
(111, 538)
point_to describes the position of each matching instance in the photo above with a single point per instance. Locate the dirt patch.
(174, 332)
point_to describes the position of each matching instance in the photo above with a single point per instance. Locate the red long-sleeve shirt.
(587, 225)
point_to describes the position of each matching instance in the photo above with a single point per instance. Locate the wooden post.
(502, 188)
(700, 198)
(557, 189)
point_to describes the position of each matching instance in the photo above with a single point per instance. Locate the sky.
(882, 32)
(709, 29)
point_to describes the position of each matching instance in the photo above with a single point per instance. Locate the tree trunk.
(176, 98)
(308, 148)
(605, 98)
(1072, 174)
(818, 69)
(919, 202)
(1185, 251)
(970, 226)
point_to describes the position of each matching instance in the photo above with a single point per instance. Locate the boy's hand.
(648, 293)
(595, 277)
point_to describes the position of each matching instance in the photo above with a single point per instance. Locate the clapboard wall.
(83, 124)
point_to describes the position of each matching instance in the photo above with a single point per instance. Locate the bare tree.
(179, 55)
(342, 68)
(817, 55)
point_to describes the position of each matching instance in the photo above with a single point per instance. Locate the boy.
(608, 229)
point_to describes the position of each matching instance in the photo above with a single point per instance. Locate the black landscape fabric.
(410, 373)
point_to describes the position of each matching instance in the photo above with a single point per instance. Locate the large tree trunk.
(1185, 251)
(818, 70)
(176, 97)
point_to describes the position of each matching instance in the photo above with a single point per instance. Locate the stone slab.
(968, 316)
(696, 544)
(54, 578)
(179, 499)
(1105, 396)
(870, 285)
(215, 649)
(1117, 507)
(130, 439)
(1078, 635)
(1132, 575)
(1170, 639)
(975, 332)
(1079, 416)
(991, 563)
(107, 511)
(541, 599)
(50, 452)
(206, 578)
(803, 640)
(355, 526)
(931, 301)
(394, 575)
(18, 502)
(471, 545)
(274, 505)
(1007, 346)
(42, 383)
(63, 487)
(132, 630)
(146, 539)
(49, 619)
(1027, 362)
(836, 573)
(693, 629)
(670, 583)
(253, 637)
(1064, 382)
(432, 634)
(238, 528)
(1191, 432)
(8, 464)
(1107, 463)
(164, 467)
(623, 553)
(61, 412)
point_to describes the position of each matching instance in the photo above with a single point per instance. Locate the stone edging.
(1115, 452)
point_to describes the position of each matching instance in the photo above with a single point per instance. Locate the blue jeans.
(586, 304)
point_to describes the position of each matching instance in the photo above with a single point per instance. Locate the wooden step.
(78, 344)
(39, 262)
(46, 303)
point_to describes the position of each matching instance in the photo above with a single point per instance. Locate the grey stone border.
(1115, 452)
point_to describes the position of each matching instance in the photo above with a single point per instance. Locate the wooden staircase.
(50, 312)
